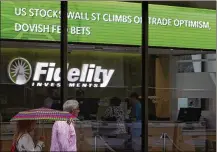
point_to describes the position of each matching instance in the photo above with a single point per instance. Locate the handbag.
(14, 145)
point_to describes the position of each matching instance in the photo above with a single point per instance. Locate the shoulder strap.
(18, 139)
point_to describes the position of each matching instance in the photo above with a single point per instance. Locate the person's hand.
(41, 144)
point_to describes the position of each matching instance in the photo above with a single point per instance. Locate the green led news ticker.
(109, 23)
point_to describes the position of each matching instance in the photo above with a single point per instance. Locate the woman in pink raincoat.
(63, 132)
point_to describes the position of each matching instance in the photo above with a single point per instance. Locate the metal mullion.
(144, 76)
(63, 51)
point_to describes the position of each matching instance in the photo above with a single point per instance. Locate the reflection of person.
(84, 111)
(79, 95)
(136, 128)
(63, 132)
(136, 106)
(52, 101)
(22, 140)
(115, 111)
(49, 100)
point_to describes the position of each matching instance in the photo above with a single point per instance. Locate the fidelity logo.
(90, 75)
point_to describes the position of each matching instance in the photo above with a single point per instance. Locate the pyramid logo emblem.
(19, 71)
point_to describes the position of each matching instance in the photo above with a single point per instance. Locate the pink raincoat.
(63, 137)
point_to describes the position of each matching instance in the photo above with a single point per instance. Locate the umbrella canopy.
(43, 114)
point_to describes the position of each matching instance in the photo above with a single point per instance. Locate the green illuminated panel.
(109, 23)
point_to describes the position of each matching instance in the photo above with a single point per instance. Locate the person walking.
(63, 132)
(136, 106)
(115, 114)
(136, 128)
(23, 141)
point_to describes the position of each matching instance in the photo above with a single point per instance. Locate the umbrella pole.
(39, 126)
(43, 128)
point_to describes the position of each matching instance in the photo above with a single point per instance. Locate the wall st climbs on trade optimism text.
(110, 23)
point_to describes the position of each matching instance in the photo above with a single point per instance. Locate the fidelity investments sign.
(90, 75)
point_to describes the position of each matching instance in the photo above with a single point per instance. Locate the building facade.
(105, 61)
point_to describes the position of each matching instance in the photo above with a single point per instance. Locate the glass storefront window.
(106, 82)
(119, 74)
(20, 90)
(184, 98)
(104, 73)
